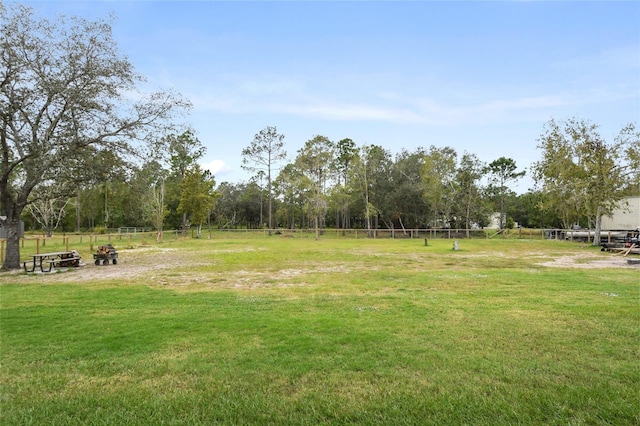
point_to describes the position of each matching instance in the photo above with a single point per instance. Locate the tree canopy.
(263, 154)
(197, 196)
(581, 174)
(503, 171)
(65, 88)
(75, 131)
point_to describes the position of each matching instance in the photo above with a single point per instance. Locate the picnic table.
(50, 260)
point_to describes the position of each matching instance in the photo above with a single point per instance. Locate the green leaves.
(263, 154)
(582, 176)
(66, 88)
(197, 196)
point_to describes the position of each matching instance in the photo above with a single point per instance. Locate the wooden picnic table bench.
(59, 259)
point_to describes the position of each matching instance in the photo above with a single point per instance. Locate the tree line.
(83, 148)
(342, 185)
(327, 185)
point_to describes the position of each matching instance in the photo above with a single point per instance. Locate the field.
(289, 330)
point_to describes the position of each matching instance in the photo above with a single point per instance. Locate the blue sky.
(481, 77)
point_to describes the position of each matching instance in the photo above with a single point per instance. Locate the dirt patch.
(179, 269)
(135, 264)
(587, 261)
(169, 267)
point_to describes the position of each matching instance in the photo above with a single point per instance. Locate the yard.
(289, 330)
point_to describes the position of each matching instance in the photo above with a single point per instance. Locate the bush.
(99, 230)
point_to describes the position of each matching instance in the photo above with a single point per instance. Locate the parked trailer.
(588, 235)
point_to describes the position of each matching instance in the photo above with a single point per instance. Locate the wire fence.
(88, 243)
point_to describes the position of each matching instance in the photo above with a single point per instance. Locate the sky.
(480, 77)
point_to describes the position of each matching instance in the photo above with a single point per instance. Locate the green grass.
(296, 331)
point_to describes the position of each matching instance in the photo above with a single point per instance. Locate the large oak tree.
(64, 87)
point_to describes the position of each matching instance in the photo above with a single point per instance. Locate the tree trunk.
(502, 218)
(347, 217)
(596, 236)
(467, 220)
(376, 225)
(344, 221)
(184, 224)
(404, 231)
(270, 208)
(78, 212)
(12, 257)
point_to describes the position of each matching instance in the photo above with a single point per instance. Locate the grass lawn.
(277, 330)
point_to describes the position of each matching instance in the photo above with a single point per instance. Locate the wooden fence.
(90, 242)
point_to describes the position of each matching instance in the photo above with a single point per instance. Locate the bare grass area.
(588, 261)
(199, 265)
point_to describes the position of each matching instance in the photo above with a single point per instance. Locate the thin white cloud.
(617, 59)
(299, 99)
(217, 167)
(345, 111)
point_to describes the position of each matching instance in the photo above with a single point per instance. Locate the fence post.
(37, 245)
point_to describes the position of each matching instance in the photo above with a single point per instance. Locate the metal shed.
(625, 217)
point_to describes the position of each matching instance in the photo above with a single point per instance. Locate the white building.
(625, 217)
(494, 221)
